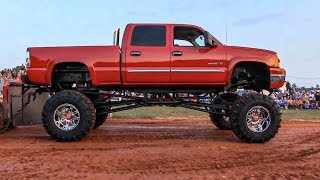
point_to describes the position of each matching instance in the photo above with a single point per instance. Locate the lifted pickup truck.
(170, 64)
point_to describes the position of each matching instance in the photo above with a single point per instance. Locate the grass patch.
(178, 112)
(301, 114)
(160, 112)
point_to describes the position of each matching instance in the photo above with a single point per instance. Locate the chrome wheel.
(66, 117)
(258, 119)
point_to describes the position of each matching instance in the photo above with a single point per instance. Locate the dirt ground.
(161, 149)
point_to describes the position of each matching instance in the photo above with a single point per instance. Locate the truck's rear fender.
(55, 64)
(253, 67)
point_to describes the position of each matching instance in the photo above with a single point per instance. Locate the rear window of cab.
(149, 36)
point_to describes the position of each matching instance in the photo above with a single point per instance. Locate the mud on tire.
(55, 115)
(220, 121)
(249, 116)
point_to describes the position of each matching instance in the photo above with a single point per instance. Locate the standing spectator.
(289, 88)
(317, 97)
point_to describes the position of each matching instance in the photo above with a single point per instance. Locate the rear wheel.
(255, 118)
(68, 116)
(220, 121)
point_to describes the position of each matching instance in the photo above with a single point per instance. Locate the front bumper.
(277, 77)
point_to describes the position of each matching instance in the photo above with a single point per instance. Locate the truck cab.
(175, 55)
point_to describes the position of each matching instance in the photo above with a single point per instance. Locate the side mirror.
(208, 40)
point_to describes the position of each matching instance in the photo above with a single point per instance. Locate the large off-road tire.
(100, 119)
(255, 118)
(220, 121)
(68, 116)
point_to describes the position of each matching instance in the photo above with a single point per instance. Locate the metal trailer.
(22, 105)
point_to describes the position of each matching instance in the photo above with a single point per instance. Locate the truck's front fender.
(235, 61)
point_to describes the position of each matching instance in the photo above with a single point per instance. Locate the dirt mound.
(158, 149)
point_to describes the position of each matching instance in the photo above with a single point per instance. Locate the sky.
(289, 27)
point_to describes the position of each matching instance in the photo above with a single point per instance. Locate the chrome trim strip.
(204, 70)
(149, 70)
(275, 78)
(277, 75)
(187, 70)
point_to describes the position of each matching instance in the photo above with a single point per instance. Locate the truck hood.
(237, 51)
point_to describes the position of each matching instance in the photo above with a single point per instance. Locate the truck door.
(148, 55)
(194, 63)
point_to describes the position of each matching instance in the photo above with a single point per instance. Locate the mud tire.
(239, 112)
(87, 116)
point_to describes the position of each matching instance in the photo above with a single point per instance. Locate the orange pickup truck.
(168, 64)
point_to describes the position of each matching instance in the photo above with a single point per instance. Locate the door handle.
(135, 53)
(176, 53)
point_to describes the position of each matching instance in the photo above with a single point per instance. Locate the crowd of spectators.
(10, 75)
(294, 98)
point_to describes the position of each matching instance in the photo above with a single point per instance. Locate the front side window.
(149, 36)
(188, 36)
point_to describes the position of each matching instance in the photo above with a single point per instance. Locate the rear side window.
(149, 36)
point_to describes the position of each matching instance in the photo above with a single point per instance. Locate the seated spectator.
(291, 104)
(285, 103)
(306, 104)
(300, 104)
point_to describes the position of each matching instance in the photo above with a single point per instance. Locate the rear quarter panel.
(102, 62)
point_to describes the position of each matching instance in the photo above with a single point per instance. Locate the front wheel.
(255, 118)
(68, 116)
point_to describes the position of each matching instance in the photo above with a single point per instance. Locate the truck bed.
(103, 63)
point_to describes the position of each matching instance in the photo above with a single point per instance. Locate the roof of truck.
(154, 24)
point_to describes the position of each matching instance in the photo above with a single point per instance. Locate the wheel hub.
(258, 119)
(255, 118)
(66, 117)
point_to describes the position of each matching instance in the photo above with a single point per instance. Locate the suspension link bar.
(159, 98)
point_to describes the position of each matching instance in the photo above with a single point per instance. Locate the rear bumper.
(277, 77)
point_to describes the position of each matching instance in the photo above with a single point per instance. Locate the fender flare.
(235, 61)
(53, 63)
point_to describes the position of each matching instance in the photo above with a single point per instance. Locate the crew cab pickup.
(157, 55)
(165, 64)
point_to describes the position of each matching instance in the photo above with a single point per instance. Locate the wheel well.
(254, 75)
(70, 72)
